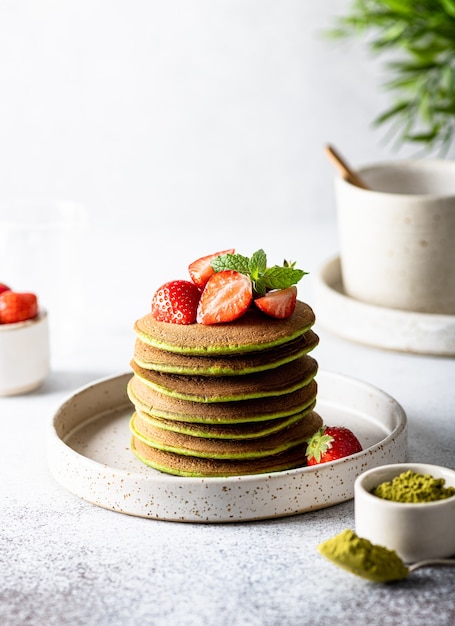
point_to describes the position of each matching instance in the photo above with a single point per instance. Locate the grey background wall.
(196, 125)
(146, 108)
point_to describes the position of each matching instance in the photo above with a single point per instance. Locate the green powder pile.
(412, 487)
(359, 556)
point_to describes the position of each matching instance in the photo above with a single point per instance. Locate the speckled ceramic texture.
(88, 453)
(415, 531)
(396, 238)
(420, 333)
(24, 355)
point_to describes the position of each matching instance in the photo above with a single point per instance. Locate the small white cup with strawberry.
(24, 342)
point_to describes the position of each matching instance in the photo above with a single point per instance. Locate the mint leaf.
(257, 266)
(262, 277)
(277, 277)
(236, 262)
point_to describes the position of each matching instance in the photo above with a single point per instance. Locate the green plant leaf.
(419, 36)
(449, 6)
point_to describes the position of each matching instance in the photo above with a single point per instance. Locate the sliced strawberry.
(4, 287)
(17, 307)
(331, 443)
(176, 302)
(279, 303)
(201, 270)
(226, 297)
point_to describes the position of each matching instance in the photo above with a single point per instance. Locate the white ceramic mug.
(397, 238)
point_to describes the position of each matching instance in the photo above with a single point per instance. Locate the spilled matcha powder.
(412, 487)
(359, 556)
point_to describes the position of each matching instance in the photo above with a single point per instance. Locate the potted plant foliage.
(416, 39)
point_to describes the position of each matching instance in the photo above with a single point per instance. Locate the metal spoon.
(406, 570)
(376, 563)
(431, 563)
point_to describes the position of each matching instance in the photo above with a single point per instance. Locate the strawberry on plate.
(176, 302)
(17, 307)
(279, 303)
(201, 269)
(330, 443)
(226, 297)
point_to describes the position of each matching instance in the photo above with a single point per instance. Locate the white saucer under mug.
(381, 327)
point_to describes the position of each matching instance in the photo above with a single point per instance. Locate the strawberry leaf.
(318, 444)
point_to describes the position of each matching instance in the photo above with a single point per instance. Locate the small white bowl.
(24, 355)
(415, 531)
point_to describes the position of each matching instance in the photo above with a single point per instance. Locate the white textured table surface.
(66, 562)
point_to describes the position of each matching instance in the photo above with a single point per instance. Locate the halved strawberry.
(331, 443)
(201, 270)
(226, 297)
(176, 302)
(279, 303)
(17, 307)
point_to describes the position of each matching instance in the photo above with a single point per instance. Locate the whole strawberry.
(176, 302)
(17, 307)
(331, 443)
(4, 287)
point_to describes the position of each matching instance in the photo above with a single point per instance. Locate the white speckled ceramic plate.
(392, 329)
(88, 452)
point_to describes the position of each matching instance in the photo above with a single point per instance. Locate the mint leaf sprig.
(263, 278)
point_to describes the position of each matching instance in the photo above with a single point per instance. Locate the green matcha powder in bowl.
(408, 508)
(414, 488)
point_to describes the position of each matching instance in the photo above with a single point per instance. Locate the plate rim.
(56, 445)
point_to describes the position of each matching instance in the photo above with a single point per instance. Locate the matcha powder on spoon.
(359, 556)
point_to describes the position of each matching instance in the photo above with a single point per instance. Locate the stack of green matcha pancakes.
(224, 399)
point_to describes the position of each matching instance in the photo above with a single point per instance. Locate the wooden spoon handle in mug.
(345, 170)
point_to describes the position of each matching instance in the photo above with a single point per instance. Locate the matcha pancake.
(223, 382)
(279, 381)
(181, 465)
(252, 332)
(240, 430)
(156, 404)
(149, 357)
(187, 445)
